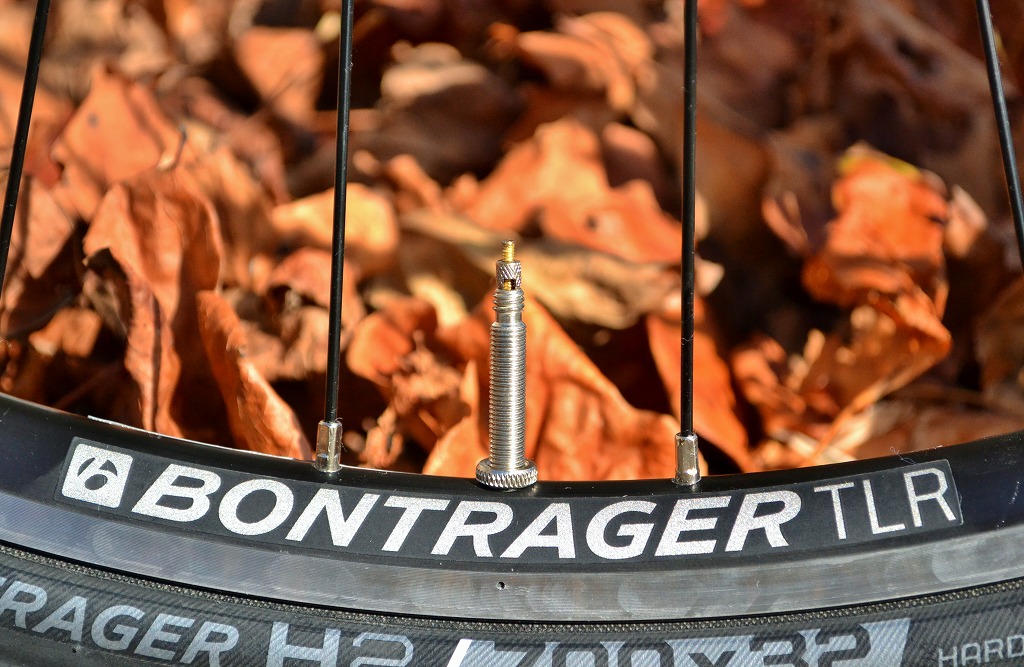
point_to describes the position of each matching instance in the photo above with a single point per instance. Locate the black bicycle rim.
(126, 500)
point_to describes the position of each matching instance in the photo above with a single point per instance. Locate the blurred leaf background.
(857, 276)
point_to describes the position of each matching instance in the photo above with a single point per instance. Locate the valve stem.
(507, 466)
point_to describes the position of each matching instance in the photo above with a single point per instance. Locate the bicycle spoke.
(687, 472)
(328, 440)
(995, 82)
(28, 94)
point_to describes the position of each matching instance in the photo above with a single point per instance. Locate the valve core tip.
(507, 267)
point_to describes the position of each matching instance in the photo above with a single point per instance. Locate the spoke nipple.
(687, 465)
(328, 447)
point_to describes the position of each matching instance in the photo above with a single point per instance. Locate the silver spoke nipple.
(687, 465)
(328, 447)
(507, 466)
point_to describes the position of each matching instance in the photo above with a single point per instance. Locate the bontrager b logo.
(96, 476)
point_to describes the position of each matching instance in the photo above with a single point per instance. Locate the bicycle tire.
(880, 595)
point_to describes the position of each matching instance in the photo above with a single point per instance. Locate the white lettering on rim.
(638, 533)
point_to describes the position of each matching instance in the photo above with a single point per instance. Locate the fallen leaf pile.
(857, 279)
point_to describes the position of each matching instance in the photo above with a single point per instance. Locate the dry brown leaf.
(714, 404)
(823, 395)
(885, 251)
(426, 396)
(732, 164)
(285, 341)
(117, 113)
(601, 53)
(212, 123)
(920, 96)
(448, 112)
(925, 426)
(59, 359)
(543, 105)
(588, 115)
(882, 350)
(150, 358)
(244, 212)
(414, 189)
(416, 18)
(883, 258)
(304, 336)
(628, 223)
(464, 444)
(161, 225)
(569, 280)
(983, 262)
(162, 236)
(260, 420)
(301, 279)
(49, 113)
(925, 417)
(385, 442)
(559, 168)
(761, 370)
(371, 231)
(385, 337)
(285, 66)
(630, 155)
(888, 237)
(749, 63)
(1000, 346)
(637, 11)
(198, 28)
(40, 278)
(593, 287)
(796, 205)
(558, 179)
(396, 348)
(16, 26)
(81, 32)
(58, 365)
(731, 172)
(72, 332)
(307, 273)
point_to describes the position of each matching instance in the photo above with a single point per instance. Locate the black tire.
(924, 570)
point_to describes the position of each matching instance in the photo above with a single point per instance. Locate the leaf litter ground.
(858, 294)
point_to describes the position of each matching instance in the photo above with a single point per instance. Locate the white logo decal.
(286, 512)
(97, 476)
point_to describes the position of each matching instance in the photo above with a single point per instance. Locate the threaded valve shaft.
(507, 466)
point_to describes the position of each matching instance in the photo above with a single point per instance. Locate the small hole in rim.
(500, 585)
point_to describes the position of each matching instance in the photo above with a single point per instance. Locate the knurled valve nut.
(496, 478)
(509, 272)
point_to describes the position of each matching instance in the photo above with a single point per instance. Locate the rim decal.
(667, 528)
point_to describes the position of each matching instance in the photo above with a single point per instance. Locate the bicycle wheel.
(136, 546)
(123, 546)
